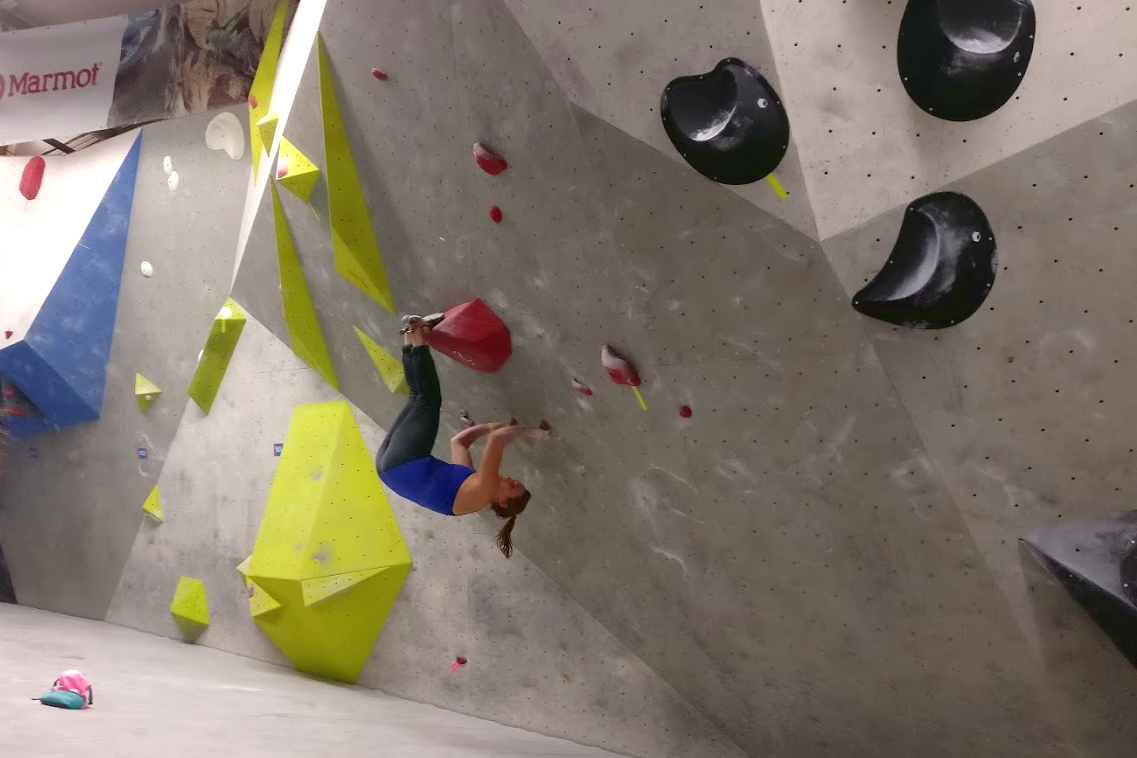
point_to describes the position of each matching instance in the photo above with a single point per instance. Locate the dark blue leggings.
(412, 435)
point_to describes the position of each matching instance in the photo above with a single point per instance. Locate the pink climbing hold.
(458, 663)
(473, 335)
(281, 168)
(252, 101)
(685, 411)
(581, 388)
(32, 178)
(492, 163)
(378, 74)
(495, 214)
(619, 370)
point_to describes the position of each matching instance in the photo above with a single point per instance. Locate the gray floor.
(155, 696)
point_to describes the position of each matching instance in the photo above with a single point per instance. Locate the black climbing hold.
(963, 59)
(941, 268)
(729, 124)
(1095, 561)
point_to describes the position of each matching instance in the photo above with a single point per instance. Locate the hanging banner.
(58, 80)
(64, 80)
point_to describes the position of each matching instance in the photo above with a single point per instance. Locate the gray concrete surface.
(155, 696)
(1025, 409)
(799, 485)
(67, 541)
(822, 561)
(537, 660)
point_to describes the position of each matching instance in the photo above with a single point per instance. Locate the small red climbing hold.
(461, 661)
(458, 663)
(32, 178)
(581, 388)
(544, 426)
(378, 74)
(252, 101)
(8, 334)
(619, 370)
(495, 214)
(685, 411)
(492, 163)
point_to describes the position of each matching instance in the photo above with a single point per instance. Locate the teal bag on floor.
(64, 699)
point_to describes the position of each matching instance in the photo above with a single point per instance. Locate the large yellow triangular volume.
(299, 313)
(300, 174)
(324, 587)
(260, 602)
(153, 506)
(266, 127)
(389, 366)
(261, 90)
(327, 512)
(145, 391)
(356, 250)
(190, 608)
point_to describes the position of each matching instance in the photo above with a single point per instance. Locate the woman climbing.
(405, 463)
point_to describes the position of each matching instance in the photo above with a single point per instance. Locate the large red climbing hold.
(473, 335)
(495, 214)
(378, 74)
(581, 388)
(492, 163)
(32, 179)
(619, 370)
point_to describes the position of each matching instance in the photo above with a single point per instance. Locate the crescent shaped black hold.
(729, 124)
(961, 60)
(941, 268)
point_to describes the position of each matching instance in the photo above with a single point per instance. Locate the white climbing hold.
(167, 165)
(976, 236)
(172, 182)
(225, 133)
(199, 354)
(147, 269)
(226, 312)
(762, 102)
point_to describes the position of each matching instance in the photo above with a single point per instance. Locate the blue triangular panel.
(61, 365)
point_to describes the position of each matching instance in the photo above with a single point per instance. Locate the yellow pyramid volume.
(353, 239)
(190, 608)
(153, 506)
(261, 90)
(294, 171)
(389, 366)
(145, 391)
(266, 127)
(328, 551)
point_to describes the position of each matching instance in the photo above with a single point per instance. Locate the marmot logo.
(28, 83)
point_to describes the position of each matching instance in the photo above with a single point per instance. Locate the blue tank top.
(428, 482)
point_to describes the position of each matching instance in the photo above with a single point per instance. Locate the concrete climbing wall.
(802, 509)
(537, 660)
(69, 500)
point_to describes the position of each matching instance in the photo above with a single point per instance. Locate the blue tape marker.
(277, 449)
(142, 453)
